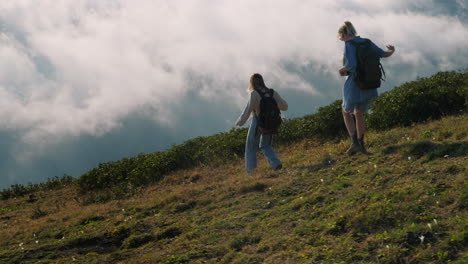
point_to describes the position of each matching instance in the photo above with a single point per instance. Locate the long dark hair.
(257, 83)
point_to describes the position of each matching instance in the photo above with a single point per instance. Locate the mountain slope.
(405, 203)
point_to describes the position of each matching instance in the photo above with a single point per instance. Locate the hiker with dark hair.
(359, 90)
(264, 105)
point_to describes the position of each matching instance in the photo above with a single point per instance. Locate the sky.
(84, 82)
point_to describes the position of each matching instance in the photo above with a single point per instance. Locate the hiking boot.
(353, 149)
(355, 146)
(362, 147)
(279, 167)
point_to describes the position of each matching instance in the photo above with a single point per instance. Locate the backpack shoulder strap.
(260, 93)
(356, 43)
(272, 92)
(383, 72)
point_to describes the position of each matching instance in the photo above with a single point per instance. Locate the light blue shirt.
(352, 94)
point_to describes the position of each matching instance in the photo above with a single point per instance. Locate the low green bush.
(326, 124)
(216, 149)
(445, 93)
(19, 190)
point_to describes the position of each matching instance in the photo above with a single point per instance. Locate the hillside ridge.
(405, 203)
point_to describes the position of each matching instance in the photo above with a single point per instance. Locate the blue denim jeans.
(256, 140)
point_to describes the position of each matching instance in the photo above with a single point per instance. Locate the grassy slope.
(323, 206)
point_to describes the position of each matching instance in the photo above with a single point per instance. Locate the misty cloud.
(73, 70)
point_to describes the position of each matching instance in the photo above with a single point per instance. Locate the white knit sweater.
(253, 106)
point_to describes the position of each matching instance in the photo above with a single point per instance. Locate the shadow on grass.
(326, 163)
(430, 150)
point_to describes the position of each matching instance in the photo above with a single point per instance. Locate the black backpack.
(369, 69)
(269, 119)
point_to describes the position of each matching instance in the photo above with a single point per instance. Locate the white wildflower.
(63, 237)
(388, 247)
(301, 197)
(446, 156)
(409, 158)
(21, 244)
(429, 225)
(421, 238)
(375, 166)
(435, 221)
(321, 180)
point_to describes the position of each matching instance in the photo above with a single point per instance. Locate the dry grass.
(295, 212)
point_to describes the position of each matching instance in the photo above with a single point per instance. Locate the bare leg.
(360, 124)
(349, 122)
(351, 126)
(361, 129)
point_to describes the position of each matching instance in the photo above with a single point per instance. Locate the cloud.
(77, 68)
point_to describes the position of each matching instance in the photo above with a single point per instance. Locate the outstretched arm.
(389, 52)
(247, 111)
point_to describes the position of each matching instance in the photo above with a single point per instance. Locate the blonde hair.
(347, 29)
(256, 82)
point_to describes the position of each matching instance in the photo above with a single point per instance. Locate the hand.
(391, 48)
(343, 71)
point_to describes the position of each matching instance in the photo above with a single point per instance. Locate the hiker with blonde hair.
(358, 92)
(260, 134)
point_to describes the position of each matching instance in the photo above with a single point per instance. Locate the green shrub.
(148, 168)
(219, 148)
(327, 123)
(19, 190)
(444, 93)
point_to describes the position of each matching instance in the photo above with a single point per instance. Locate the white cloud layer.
(74, 67)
